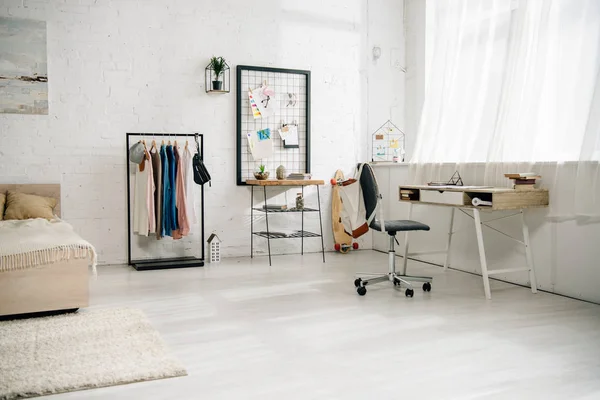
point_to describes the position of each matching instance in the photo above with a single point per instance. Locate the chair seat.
(399, 225)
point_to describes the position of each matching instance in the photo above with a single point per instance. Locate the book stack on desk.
(523, 181)
(296, 176)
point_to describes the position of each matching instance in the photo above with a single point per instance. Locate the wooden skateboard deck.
(340, 237)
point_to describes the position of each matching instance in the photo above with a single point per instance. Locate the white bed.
(61, 285)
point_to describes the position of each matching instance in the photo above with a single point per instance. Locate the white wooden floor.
(298, 330)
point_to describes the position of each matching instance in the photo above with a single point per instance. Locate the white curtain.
(512, 86)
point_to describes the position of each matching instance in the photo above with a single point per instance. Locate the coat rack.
(162, 263)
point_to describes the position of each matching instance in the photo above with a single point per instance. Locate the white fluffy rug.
(88, 349)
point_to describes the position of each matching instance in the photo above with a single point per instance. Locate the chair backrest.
(370, 189)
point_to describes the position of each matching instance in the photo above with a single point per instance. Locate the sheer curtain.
(512, 86)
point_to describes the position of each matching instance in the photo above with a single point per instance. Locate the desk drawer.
(435, 196)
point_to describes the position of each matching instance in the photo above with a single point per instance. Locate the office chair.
(372, 199)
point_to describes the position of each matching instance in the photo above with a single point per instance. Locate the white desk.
(461, 198)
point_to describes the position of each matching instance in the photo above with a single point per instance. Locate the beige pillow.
(2, 201)
(25, 206)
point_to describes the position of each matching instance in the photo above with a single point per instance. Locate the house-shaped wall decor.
(214, 248)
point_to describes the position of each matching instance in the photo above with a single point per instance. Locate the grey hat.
(136, 153)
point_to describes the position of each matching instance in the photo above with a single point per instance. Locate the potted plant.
(262, 173)
(217, 64)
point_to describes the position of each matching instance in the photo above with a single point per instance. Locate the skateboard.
(343, 241)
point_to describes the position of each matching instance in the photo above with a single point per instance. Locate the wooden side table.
(301, 234)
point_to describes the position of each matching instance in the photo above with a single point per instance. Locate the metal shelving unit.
(301, 233)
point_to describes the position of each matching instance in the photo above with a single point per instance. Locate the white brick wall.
(132, 66)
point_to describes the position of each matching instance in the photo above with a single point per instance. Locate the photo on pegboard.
(260, 144)
(266, 100)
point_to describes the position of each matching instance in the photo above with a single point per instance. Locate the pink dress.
(180, 200)
(144, 219)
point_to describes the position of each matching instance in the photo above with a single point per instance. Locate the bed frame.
(59, 286)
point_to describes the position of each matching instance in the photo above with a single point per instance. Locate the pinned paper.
(265, 101)
(395, 143)
(283, 132)
(255, 110)
(291, 138)
(260, 148)
(264, 134)
(379, 137)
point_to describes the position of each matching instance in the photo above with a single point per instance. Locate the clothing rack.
(162, 263)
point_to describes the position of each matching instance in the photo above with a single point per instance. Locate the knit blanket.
(37, 242)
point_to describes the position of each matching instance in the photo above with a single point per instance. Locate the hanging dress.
(166, 192)
(141, 204)
(182, 221)
(170, 196)
(150, 188)
(158, 192)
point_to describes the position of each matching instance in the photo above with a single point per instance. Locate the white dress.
(143, 200)
(188, 179)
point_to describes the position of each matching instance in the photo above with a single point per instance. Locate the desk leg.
(405, 261)
(447, 261)
(251, 221)
(528, 254)
(321, 223)
(302, 230)
(484, 270)
(267, 222)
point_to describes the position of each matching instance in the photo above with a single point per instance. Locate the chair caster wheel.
(361, 290)
(357, 282)
(397, 282)
(409, 293)
(427, 287)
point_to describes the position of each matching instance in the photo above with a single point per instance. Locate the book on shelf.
(523, 188)
(523, 175)
(296, 176)
(521, 181)
(275, 207)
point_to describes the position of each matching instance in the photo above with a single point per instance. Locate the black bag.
(201, 175)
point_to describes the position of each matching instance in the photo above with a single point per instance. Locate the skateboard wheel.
(355, 245)
(337, 247)
(333, 182)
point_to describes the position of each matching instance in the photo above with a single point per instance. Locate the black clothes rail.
(163, 263)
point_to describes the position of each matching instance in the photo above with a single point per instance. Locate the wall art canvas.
(23, 66)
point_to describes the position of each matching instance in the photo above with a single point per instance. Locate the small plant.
(217, 64)
(261, 172)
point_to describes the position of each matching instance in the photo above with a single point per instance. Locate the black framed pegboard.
(292, 107)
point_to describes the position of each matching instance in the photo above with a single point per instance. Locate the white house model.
(214, 248)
